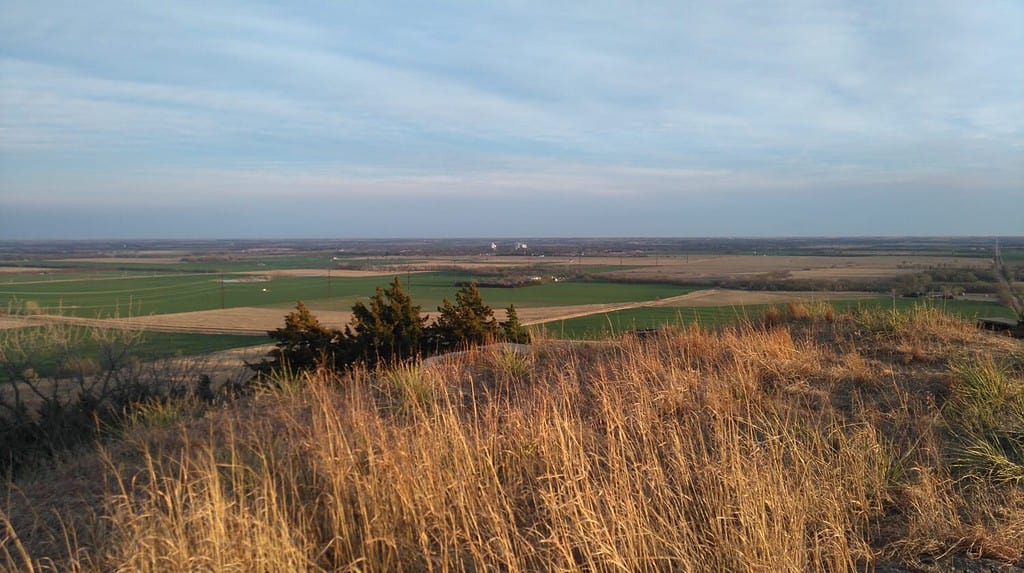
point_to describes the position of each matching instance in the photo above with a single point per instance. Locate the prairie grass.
(804, 444)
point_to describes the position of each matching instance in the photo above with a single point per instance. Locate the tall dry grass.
(755, 449)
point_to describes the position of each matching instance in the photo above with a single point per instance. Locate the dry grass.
(809, 445)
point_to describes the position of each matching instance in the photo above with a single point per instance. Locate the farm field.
(799, 267)
(226, 290)
(684, 267)
(162, 294)
(603, 325)
(170, 293)
(137, 296)
(149, 346)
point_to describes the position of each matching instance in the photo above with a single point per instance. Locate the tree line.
(388, 328)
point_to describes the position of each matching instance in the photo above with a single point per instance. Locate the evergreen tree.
(387, 329)
(302, 344)
(468, 322)
(511, 329)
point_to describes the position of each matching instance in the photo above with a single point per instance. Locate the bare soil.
(23, 270)
(242, 320)
(13, 322)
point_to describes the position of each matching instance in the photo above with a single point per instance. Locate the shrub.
(511, 329)
(302, 344)
(388, 329)
(65, 385)
(468, 322)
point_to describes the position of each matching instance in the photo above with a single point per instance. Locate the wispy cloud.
(195, 103)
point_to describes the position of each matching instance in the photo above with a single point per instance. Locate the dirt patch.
(13, 322)
(241, 320)
(24, 270)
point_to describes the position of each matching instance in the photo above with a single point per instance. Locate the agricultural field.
(149, 345)
(138, 297)
(614, 323)
(574, 288)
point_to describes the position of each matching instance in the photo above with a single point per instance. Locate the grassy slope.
(831, 443)
(618, 322)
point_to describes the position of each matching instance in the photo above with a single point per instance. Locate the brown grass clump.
(794, 447)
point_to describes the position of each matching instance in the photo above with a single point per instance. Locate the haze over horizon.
(404, 119)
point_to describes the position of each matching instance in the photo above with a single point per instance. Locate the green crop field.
(151, 346)
(144, 294)
(67, 275)
(429, 288)
(969, 309)
(170, 293)
(618, 322)
(608, 324)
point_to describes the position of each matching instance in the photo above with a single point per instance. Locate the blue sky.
(420, 119)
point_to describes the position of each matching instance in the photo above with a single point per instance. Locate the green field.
(1012, 254)
(106, 294)
(615, 323)
(68, 275)
(608, 324)
(151, 346)
(969, 309)
(171, 293)
(428, 289)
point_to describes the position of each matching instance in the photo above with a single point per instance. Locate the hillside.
(809, 441)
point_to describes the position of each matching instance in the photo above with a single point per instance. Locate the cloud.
(152, 104)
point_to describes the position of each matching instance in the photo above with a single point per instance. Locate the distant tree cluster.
(388, 328)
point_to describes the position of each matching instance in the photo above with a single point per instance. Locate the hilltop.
(805, 440)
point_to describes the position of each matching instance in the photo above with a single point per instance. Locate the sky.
(373, 119)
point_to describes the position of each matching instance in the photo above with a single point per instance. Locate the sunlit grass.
(804, 443)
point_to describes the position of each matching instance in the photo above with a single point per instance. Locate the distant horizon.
(506, 238)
